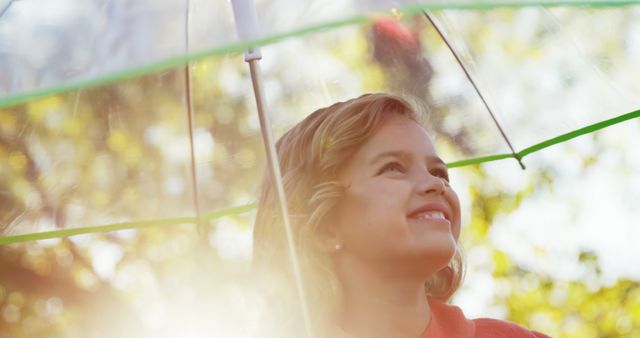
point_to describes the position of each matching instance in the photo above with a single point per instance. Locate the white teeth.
(431, 214)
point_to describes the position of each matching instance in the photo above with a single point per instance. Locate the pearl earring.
(338, 246)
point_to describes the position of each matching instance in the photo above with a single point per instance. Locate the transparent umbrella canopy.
(127, 115)
(120, 115)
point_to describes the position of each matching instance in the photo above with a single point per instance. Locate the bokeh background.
(95, 132)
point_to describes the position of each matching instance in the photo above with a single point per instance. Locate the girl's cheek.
(379, 191)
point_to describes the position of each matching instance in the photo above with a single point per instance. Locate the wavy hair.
(311, 154)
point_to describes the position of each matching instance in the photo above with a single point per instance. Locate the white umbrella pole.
(246, 24)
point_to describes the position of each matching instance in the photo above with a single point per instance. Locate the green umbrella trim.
(545, 144)
(247, 207)
(126, 225)
(237, 47)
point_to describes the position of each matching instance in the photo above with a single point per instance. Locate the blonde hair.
(311, 154)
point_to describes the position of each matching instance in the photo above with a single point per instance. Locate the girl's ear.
(330, 244)
(328, 232)
(329, 238)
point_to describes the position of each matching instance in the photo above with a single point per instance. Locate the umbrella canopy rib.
(475, 87)
(4, 7)
(190, 115)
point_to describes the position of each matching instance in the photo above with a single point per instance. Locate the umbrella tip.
(519, 159)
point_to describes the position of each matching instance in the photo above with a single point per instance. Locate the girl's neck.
(375, 307)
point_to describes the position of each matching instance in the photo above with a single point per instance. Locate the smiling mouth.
(430, 215)
(429, 218)
(434, 212)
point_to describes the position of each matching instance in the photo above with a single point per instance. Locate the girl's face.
(398, 207)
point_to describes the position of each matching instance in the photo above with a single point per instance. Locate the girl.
(376, 227)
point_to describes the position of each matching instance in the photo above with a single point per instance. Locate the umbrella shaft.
(274, 164)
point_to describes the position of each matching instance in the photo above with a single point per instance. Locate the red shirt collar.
(448, 321)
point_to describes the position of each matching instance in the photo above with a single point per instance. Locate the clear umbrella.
(158, 94)
(538, 76)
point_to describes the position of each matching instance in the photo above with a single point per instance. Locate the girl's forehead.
(399, 133)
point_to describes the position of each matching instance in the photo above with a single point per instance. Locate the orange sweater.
(449, 321)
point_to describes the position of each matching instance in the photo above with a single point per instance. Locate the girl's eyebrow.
(388, 154)
(403, 155)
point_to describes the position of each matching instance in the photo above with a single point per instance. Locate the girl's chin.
(429, 259)
(438, 244)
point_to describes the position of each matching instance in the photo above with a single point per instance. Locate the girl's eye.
(392, 167)
(442, 173)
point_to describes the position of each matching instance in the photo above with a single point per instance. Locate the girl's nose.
(429, 183)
